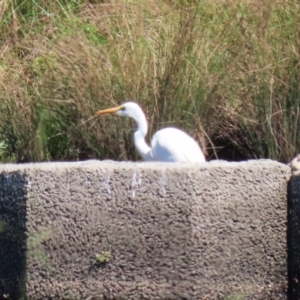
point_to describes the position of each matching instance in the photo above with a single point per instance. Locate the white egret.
(168, 144)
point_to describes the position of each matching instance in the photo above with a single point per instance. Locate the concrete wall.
(105, 230)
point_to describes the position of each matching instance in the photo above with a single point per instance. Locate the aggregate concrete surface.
(120, 230)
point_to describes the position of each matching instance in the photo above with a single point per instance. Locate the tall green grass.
(227, 72)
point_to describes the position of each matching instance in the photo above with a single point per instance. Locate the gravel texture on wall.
(121, 230)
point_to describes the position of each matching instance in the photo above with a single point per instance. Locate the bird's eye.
(123, 108)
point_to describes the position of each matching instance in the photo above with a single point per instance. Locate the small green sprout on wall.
(236, 296)
(103, 257)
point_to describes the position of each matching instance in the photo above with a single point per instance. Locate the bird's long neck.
(139, 138)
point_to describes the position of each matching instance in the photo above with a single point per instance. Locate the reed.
(227, 72)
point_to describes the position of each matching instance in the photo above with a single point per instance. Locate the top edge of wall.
(96, 164)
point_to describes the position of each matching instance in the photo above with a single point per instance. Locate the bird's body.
(167, 145)
(173, 145)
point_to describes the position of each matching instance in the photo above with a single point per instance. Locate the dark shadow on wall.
(12, 235)
(293, 238)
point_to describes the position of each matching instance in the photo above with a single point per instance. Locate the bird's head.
(128, 109)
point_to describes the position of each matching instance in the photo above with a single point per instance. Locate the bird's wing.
(173, 145)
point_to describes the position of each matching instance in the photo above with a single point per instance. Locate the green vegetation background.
(227, 72)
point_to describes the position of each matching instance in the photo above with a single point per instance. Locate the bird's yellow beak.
(109, 111)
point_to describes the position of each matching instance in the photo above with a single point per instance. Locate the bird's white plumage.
(167, 145)
(173, 145)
